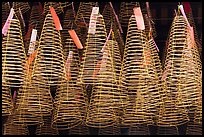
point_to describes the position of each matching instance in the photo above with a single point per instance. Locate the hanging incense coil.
(178, 97)
(139, 130)
(5, 12)
(13, 55)
(84, 12)
(101, 111)
(92, 53)
(46, 128)
(126, 11)
(50, 57)
(70, 103)
(7, 104)
(172, 130)
(11, 128)
(24, 6)
(139, 79)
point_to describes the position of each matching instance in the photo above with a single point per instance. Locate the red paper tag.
(56, 19)
(75, 38)
(187, 7)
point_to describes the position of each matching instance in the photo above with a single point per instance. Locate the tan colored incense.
(70, 104)
(140, 79)
(13, 55)
(11, 128)
(181, 70)
(24, 6)
(126, 11)
(92, 52)
(84, 13)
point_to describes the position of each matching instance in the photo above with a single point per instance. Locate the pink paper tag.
(139, 18)
(102, 50)
(183, 13)
(32, 41)
(155, 45)
(7, 24)
(93, 19)
(191, 44)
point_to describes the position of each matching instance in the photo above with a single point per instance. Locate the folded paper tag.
(29, 61)
(155, 45)
(139, 18)
(93, 19)
(190, 40)
(7, 24)
(22, 17)
(32, 42)
(68, 65)
(56, 19)
(102, 50)
(75, 38)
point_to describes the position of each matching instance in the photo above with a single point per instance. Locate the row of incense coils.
(127, 90)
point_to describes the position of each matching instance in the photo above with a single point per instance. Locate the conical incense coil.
(139, 130)
(92, 53)
(84, 13)
(50, 60)
(46, 128)
(70, 104)
(139, 78)
(175, 112)
(126, 11)
(109, 17)
(10, 128)
(24, 6)
(7, 104)
(173, 130)
(13, 55)
(5, 11)
(103, 103)
(112, 130)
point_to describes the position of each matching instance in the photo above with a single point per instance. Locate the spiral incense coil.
(50, 58)
(139, 130)
(7, 104)
(139, 79)
(92, 53)
(13, 55)
(109, 17)
(70, 103)
(126, 11)
(5, 12)
(84, 12)
(46, 128)
(113, 130)
(24, 6)
(172, 130)
(81, 129)
(11, 128)
(177, 80)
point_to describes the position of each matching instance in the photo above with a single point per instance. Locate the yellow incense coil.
(92, 53)
(50, 60)
(177, 80)
(84, 13)
(140, 79)
(172, 130)
(7, 103)
(24, 6)
(11, 128)
(70, 104)
(46, 128)
(126, 11)
(13, 55)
